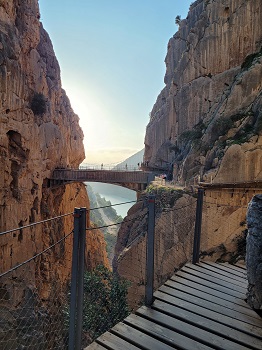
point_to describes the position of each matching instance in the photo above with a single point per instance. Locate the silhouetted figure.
(102, 166)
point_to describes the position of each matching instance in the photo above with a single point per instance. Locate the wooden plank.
(112, 341)
(241, 285)
(223, 273)
(206, 282)
(226, 268)
(196, 283)
(201, 293)
(208, 324)
(139, 338)
(95, 346)
(216, 280)
(164, 334)
(189, 330)
(236, 268)
(241, 265)
(209, 305)
(212, 315)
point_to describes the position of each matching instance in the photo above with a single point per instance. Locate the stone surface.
(33, 142)
(254, 252)
(31, 146)
(211, 104)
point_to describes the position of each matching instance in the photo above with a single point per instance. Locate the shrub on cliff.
(105, 301)
(178, 20)
(38, 104)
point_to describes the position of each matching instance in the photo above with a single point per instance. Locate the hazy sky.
(111, 55)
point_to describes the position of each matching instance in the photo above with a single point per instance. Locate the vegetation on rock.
(38, 104)
(105, 301)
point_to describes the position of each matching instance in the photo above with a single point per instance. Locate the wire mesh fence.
(37, 297)
(130, 253)
(36, 292)
(174, 234)
(224, 229)
(34, 286)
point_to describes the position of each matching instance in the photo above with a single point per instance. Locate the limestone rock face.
(254, 253)
(211, 104)
(39, 132)
(31, 144)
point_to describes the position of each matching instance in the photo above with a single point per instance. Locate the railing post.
(150, 252)
(73, 292)
(76, 295)
(198, 223)
(81, 268)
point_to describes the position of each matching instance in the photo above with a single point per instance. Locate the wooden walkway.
(201, 307)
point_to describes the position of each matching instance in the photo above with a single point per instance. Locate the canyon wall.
(205, 125)
(207, 121)
(39, 132)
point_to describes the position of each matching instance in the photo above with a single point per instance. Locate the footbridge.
(135, 180)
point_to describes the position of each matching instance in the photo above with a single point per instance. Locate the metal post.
(150, 252)
(198, 224)
(80, 289)
(73, 294)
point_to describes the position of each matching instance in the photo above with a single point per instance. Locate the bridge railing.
(111, 176)
(56, 298)
(128, 167)
(34, 286)
(40, 309)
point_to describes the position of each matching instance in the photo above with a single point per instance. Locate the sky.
(111, 55)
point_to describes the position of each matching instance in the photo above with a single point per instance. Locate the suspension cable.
(58, 217)
(113, 205)
(35, 256)
(115, 224)
(35, 223)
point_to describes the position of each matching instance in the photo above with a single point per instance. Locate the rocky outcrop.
(207, 121)
(254, 253)
(32, 142)
(39, 132)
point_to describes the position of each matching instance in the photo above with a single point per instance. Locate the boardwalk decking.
(201, 307)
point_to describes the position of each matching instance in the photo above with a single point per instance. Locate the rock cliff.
(207, 121)
(207, 124)
(38, 132)
(254, 253)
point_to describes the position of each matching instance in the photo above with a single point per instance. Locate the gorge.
(205, 124)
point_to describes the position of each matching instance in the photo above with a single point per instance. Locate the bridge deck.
(201, 307)
(135, 180)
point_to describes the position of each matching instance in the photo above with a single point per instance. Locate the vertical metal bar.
(198, 223)
(73, 294)
(150, 252)
(80, 278)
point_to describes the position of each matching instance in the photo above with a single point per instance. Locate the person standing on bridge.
(102, 166)
(126, 166)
